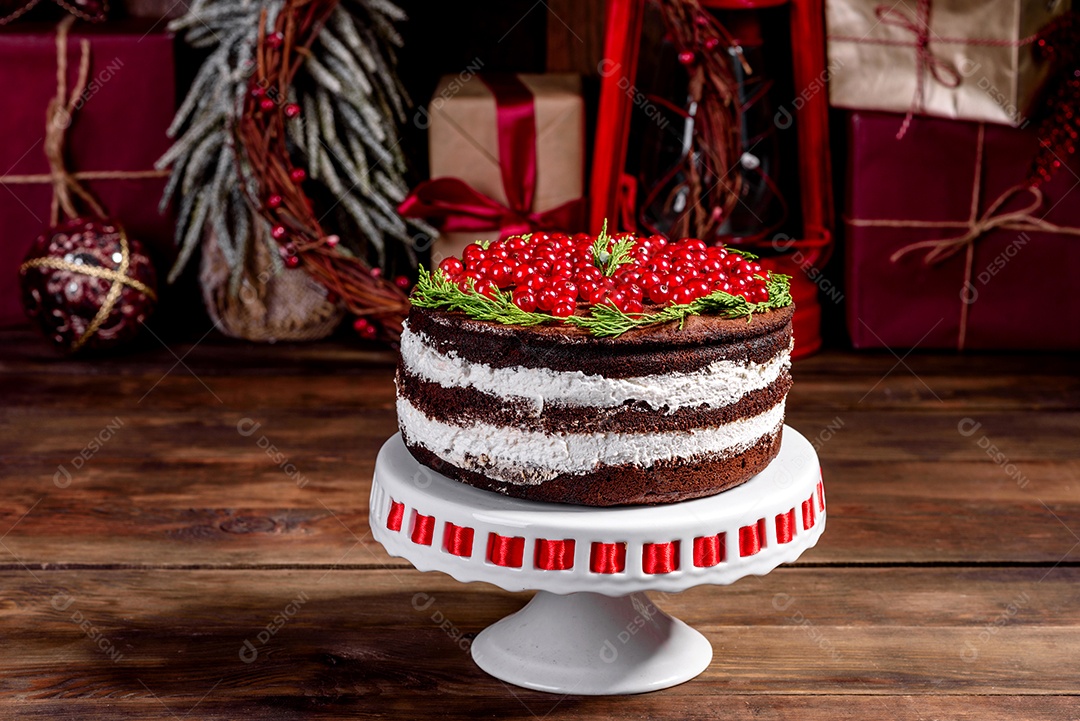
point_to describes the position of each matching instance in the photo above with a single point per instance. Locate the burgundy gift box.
(119, 125)
(947, 247)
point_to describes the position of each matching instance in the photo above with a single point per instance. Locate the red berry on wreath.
(274, 201)
(292, 110)
(275, 40)
(266, 105)
(687, 57)
(402, 282)
(278, 232)
(297, 175)
(292, 261)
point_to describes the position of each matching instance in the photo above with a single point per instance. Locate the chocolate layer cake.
(656, 415)
(577, 410)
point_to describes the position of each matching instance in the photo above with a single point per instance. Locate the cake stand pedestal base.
(591, 629)
(591, 644)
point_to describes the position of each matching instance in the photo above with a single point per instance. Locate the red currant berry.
(675, 280)
(660, 265)
(297, 175)
(618, 299)
(660, 293)
(566, 289)
(472, 254)
(274, 201)
(521, 274)
(486, 288)
(649, 280)
(278, 232)
(292, 110)
(266, 105)
(682, 295)
(563, 309)
(547, 298)
(292, 261)
(525, 300)
(451, 266)
(686, 270)
(717, 278)
(694, 245)
(563, 268)
(699, 287)
(501, 274)
(633, 305)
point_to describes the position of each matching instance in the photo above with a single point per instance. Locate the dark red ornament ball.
(88, 285)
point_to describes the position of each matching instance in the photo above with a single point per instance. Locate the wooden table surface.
(183, 534)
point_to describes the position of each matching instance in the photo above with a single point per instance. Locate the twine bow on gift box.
(975, 228)
(926, 61)
(58, 119)
(458, 207)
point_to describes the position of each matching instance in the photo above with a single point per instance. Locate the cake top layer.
(602, 286)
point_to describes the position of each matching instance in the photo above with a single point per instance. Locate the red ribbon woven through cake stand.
(506, 551)
(423, 530)
(458, 540)
(554, 555)
(709, 550)
(785, 526)
(396, 515)
(608, 558)
(752, 538)
(808, 513)
(660, 557)
(458, 207)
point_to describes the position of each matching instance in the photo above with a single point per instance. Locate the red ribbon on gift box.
(456, 206)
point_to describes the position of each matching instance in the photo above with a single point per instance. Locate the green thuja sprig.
(744, 253)
(434, 290)
(609, 259)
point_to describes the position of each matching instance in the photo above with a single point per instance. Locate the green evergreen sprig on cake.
(606, 285)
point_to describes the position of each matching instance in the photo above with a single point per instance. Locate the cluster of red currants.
(551, 272)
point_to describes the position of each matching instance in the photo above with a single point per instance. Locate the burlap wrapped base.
(269, 306)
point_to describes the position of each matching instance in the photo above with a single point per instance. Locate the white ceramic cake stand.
(591, 629)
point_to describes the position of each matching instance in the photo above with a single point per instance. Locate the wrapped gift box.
(118, 127)
(517, 143)
(947, 247)
(966, 59)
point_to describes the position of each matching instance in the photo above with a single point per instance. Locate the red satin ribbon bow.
(458, 207)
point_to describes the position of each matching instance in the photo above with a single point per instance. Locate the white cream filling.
(718, 384)
(525, 457)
